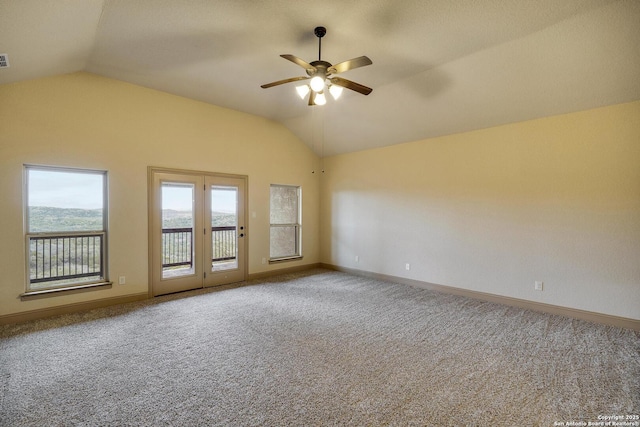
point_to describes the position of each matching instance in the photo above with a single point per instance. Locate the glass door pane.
(226, 231)
(197, 230)
(178, 224)
(224, 228)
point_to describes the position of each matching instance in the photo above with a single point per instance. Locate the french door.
(197, 230)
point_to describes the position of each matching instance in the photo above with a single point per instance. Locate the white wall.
(82, 120)
(555, 200)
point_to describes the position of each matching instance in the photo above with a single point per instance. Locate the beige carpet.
(316, 348)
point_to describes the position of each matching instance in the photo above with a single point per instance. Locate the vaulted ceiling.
(439, 66)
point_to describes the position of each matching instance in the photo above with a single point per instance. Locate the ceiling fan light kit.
(319, 75)
(317, 82)
(303, 91)
(335, 91)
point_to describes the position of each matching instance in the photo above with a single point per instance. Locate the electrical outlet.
(538, 286)
(407, 266)
(357, 258)
(264, 260)
(122, 280)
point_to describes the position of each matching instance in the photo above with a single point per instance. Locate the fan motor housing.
(322, 67)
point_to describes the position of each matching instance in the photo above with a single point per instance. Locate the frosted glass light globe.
(302, 91)
(335, 91)
(317, 84)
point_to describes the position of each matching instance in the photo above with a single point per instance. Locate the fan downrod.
(320, 32)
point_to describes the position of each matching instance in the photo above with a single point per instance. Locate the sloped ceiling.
(439, 66)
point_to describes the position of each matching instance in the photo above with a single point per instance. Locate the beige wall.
(82, 120)
(555, 200)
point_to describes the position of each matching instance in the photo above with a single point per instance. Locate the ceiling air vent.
(4, 60)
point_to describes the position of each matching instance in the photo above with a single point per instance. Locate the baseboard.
(26, 316)
(621, 322)
(42, 313)
(606, 319)
(280, 271)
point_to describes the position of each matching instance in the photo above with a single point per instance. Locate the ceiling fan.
(319, 74)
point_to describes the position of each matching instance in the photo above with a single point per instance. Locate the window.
(285, 222)
(66, 227)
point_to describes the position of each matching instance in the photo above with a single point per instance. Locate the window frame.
(297, 225)
(103, 234)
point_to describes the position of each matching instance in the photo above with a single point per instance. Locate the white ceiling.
(439, 66)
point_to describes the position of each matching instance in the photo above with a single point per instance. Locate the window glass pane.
(284, 204)
(285, 221)
(224, 220)
(66, 226)
(177, 205)
(65, 201)
(177, 229)
(283, 241)
(224, 206)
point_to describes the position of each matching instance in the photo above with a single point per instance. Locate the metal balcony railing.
(65, 256)
(58, 258)
(224, 243)
(177, 246)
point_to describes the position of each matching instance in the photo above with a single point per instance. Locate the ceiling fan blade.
(351, 85)
(281, 82)
(312, 98)
(349, 65)
(304, 64)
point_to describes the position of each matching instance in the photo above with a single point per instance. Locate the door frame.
(152, 210)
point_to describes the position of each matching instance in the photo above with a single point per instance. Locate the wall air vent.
(4, 60)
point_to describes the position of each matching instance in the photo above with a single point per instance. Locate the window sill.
(64, 291)
(279, 260)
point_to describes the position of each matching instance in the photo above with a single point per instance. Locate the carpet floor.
(315, 348)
